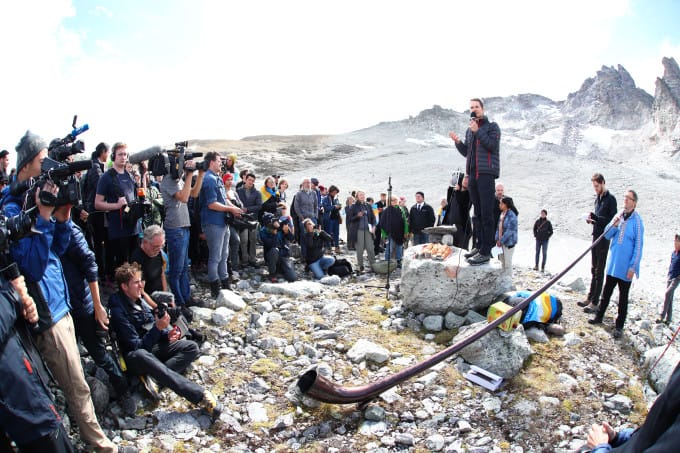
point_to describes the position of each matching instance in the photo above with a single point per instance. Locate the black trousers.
(166, 364)
(86, 330)
(598, 256)
(482, 195)
(99, 238)
(624, 287)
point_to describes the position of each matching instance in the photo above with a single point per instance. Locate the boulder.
(659, 376)
(502, 353)
(452, 285)
(231, 300)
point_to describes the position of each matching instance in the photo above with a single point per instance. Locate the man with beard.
(481, 149)
(603, 213)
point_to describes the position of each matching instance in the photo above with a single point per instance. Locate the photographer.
(275, 238)
(151, 261)
(89, 315)
(177, 225)
(150, 345)
(116, 191)
(252, 204)
(315, 239)
(26, 408)
(38, 259)
(214, 204)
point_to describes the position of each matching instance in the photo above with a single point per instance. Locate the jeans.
(166, 364)
(391, 247)
(86, 330)
(482, 195)
(248, 240)
(178, 258)
(667, 312)
(420, 238)
(320, 266)
(609, 284)
(598, 257)
(234, 244)
(217, 237)
(279, 264)
(544, 246)
(332, 227)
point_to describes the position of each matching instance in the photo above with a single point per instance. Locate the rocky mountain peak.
(666, 108)
(611, 100)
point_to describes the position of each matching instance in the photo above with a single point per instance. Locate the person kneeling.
(315, 239)
(275, 236)
(150, 345)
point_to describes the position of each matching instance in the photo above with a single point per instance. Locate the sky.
(151, 72)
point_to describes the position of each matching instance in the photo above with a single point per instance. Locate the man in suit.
(420, 217)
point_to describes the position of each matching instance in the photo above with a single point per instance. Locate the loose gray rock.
(330, 280)
(433, 323)
(503, 355)
(453, 321)
(221, 316)
(295, 290)
(374, 412)
(231, 300)
(537, 335)
(366, 350)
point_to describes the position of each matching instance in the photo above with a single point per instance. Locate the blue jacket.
(625, 249)
(509, 237)
(80, 268)
(674, 269)
(37, 256)
(212, 191)
(134, 324)
(482, 150)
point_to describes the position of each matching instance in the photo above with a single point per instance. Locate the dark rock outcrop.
(666, 107)
(610, 100)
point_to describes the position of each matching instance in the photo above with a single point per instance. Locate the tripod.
(386, 221)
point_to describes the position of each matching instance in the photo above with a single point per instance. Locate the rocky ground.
(266, 335)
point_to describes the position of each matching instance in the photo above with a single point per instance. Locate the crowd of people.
(140, 234)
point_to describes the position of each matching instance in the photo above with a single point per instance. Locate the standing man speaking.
(481, 149)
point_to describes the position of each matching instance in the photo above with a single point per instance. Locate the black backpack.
(341, 268)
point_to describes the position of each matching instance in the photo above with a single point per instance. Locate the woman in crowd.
(283, 186)
(270, 196)
(506, 234)
(331, 217)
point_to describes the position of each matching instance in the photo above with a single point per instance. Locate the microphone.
(76, 132)
(146, 154)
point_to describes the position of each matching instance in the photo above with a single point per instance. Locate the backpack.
(341, 268)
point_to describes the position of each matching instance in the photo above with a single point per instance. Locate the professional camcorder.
(15, 228)
(57, 171)
(62, 148)
(167, 161)
(246, 221)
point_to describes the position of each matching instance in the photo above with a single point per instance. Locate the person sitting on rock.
(150, 346)
(275, 236)
(315, 239)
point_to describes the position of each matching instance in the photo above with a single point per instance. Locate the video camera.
(172, 161)
(246, 221)
(62, 148)
(58, 172)
(15, 228)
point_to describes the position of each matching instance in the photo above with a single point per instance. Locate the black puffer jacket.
(482, 150)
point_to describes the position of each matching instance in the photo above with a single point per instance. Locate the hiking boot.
(151, 387)
(618, 333)
(224, 284)
(194, 302)
(471, 253)
(478, 259)
(127, 404)
(583, 303)
(595, 320)
(592, 308)
(211, 405)
(215, 288)
(535, 268)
